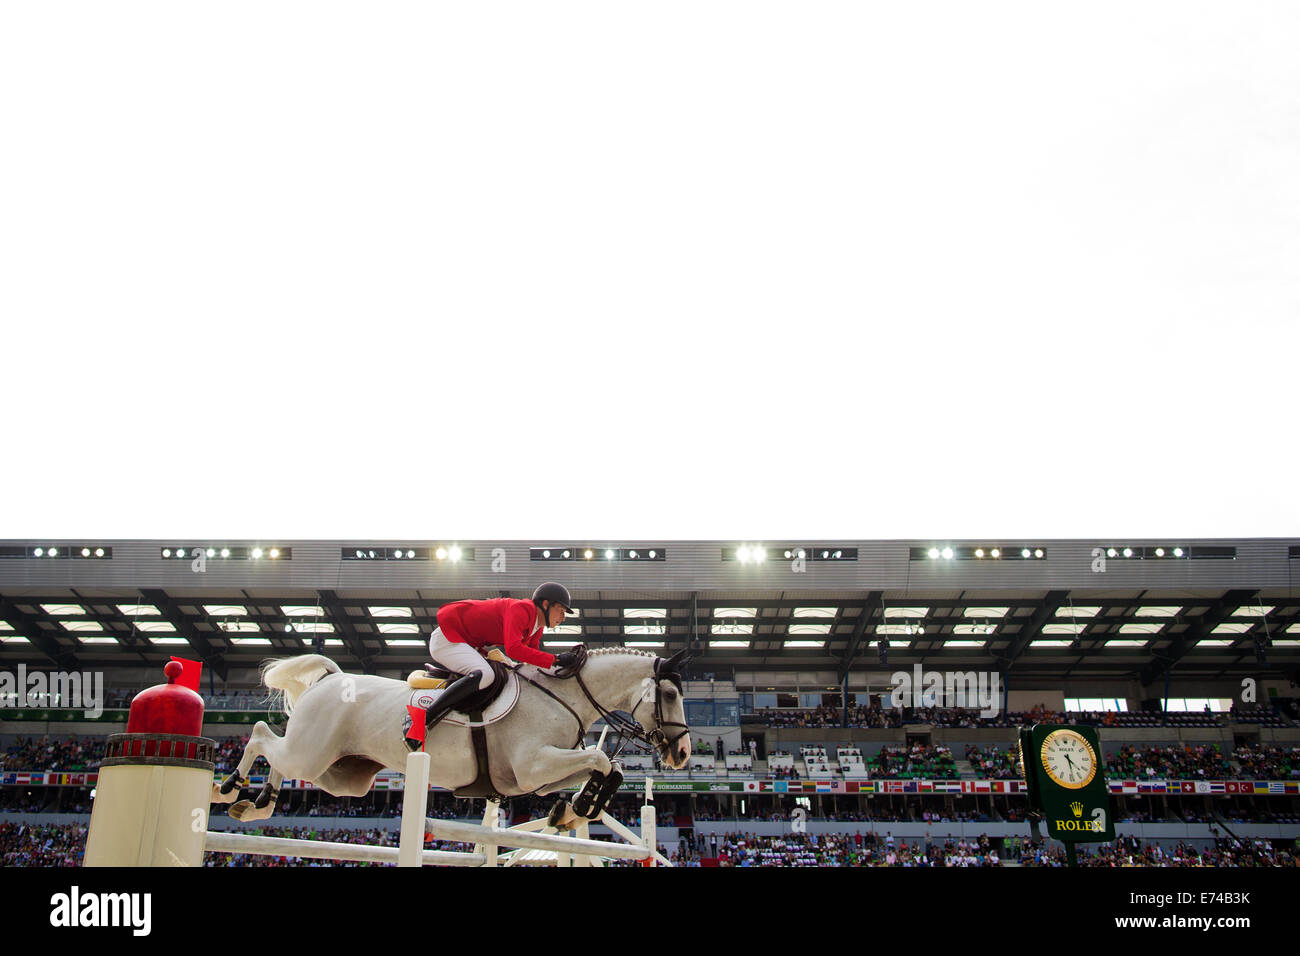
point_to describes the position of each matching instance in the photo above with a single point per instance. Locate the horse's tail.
(290, 677)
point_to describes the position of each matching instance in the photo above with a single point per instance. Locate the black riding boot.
(455, 694)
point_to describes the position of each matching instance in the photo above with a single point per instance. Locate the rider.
(466, 625)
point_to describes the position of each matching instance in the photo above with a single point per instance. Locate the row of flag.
(1252, 787)
(395, 781)
(884, 786)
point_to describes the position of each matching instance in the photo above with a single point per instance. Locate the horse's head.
(662, 711)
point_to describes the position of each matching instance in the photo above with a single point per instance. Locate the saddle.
(434, 677)
(483, 707)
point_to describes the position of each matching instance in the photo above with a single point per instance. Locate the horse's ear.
(674, 663)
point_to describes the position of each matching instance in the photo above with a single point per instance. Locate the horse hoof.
(562, 816)
(244, 811)
(219, 797)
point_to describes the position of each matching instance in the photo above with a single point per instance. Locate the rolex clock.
(1068, 759)
(1067, 782)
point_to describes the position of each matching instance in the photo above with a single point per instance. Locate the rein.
(629, 727)
(624, 727)
(582, 728)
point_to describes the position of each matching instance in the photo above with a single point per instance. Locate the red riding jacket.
(505, 621)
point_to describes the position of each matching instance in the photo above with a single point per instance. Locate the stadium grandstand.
(851, 703)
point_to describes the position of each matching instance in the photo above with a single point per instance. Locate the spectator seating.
(780, 760)
(739, 760)
(816, 762)
(851, 764)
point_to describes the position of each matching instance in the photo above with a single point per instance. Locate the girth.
(483, 785)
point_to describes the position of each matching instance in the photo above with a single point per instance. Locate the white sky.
(673, 270)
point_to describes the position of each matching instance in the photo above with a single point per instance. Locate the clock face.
(1069, 759)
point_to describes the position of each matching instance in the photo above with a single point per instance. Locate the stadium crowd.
(1269, 763)
(48, 753)
(1172, 762)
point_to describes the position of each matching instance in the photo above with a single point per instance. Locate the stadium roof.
(1209, 608)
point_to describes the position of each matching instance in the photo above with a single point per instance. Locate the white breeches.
(459, 657)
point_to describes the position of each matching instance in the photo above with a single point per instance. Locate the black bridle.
(628, 728)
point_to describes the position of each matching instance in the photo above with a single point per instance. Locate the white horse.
(345, 728)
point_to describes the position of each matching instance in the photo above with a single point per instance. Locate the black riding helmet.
(555, 593)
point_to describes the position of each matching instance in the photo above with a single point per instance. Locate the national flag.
(1144, 787)
(823, 786)
(1160, 787)
(1115, 786)
(1130, 786)
(1232, 787)
(751, 786)
(1293, 787)
(867, 786)
(781, 786)
(911, 786)
(926, 786)
(894, 786)
(1216, 786)
(967, 786)
(982, 786)
(1259, 786)
(1277, 786)
(22, 778)
(1202, 786)
(1188, 786)
(948, 786)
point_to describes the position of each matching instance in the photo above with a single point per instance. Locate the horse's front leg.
(549, 769)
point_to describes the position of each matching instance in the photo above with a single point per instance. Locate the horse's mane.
(631, 651)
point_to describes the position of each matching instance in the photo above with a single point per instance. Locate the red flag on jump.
(191, 674)
(417, 723)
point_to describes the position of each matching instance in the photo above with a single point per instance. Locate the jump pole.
(415, 803)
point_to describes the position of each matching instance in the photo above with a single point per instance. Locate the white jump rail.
(486, 838)
(218, 842)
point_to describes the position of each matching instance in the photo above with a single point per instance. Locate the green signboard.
(1066, 778)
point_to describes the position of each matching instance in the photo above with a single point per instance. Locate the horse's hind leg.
(263, 742)
(228, 790)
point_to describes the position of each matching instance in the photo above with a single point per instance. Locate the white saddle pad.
(504, 703)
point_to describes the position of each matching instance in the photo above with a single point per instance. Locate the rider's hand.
(565, 659)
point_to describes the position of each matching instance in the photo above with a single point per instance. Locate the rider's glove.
(565, 659)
